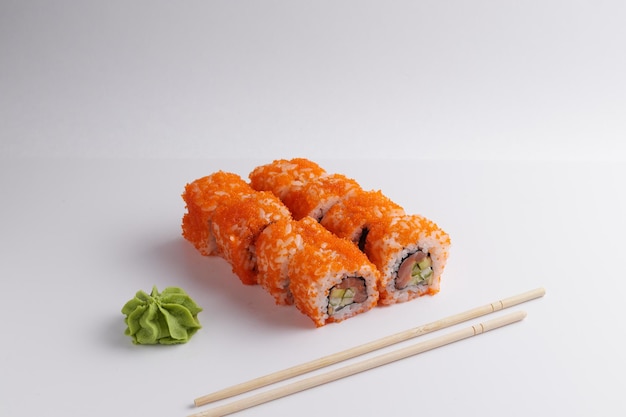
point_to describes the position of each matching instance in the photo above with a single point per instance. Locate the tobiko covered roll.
(315, 240)
(411, 253)
(282, 175)
(331, 279)
(315, 197)
(274, 248)
(277, 245)
(236, 226)
(202, 197)
(352, 217)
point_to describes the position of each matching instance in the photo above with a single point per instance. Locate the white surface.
(107, 109)
(80, 237)
(454, 79)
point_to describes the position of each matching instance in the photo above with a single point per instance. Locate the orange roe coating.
(323, 262)
(386, 245)
(236, 226)
(202, 197)
(274, 247)
(315, 197)
(360, 211)
(296, 231)
(313, 233)
(283, 175)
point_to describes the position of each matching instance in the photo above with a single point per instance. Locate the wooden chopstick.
(365, 365)
(369, 347)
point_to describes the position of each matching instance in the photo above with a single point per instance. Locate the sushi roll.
(352, 217)
(202, 197)
(236, 226)
(314, 239)
(275, 246)
(282, 175)
(331, 279)
(411, 253)
(315, 197)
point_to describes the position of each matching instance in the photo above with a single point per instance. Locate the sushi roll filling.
(349, 291)
(416, 269)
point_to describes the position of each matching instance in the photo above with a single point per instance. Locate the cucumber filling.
(421, 272)
(351, 290)
(340, 298)
(416, 269)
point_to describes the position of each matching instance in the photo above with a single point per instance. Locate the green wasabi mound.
(167, 318)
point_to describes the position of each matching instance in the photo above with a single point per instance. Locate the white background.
(223, 79)
(502, 121)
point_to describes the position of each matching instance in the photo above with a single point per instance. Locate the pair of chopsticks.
(367, 364)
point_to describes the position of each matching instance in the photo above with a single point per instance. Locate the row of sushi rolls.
(315, 239)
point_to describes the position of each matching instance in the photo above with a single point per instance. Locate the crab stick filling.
(416, 269)
(349, 291)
